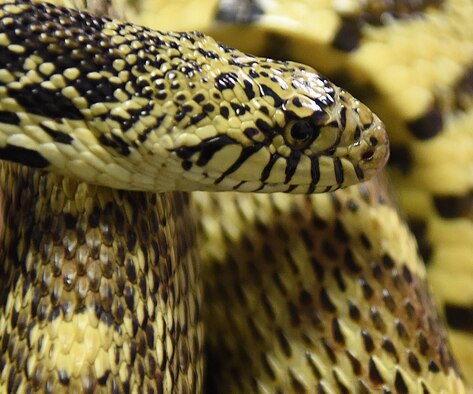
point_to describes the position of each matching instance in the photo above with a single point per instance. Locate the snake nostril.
(368, 155)
(373, 141)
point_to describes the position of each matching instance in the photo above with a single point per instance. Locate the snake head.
(289, 129)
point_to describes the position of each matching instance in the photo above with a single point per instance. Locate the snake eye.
(301, 134)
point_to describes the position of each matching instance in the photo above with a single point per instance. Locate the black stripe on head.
(24, 156)
(359, 173)
(244, 155)
(267, 91)
(338, 168)
(291, 165)
(315, 173)
(206, 149)
(267, 169)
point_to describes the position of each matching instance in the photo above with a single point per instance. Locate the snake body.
(102, 289)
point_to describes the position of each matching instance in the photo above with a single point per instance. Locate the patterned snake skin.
(102, 287)
(411, 61)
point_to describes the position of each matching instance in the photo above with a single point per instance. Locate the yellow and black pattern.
(100, 289)
(318, 294)
(305, 294)
(123, 106)
(411, 62)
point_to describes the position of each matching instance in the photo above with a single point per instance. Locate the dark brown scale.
(104, 291)
(400, 384)
(374, 374)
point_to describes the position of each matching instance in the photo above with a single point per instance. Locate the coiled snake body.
(101, 288)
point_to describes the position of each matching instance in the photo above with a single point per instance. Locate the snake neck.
(87, 272)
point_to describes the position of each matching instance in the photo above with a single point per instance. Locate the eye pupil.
(301, 131)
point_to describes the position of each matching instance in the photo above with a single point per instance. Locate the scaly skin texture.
(322, 293)
(394, 286)
(100, 290)
(123, 106)
(409, 61)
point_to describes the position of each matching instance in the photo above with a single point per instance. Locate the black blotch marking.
(45, 102)
(225, 112)
(9, 117)
(248, 88)
(207, 149)
(226, 81)
(429, 125)
(239, 109)
(251, 132)
(24, 156)
(208, 107)
(197, 118)
(264, 110)
(208, 54)
(263, 126)
(267, 91)
(244, 155)
(401, 158)
(198, 98)
(348, 36)
(115, 142)
(57, 136)
(454, 206)
(419, 228)
(459, 317)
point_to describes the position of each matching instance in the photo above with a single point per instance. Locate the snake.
(409, 61)
(108, 125)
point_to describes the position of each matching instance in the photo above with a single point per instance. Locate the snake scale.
(101, 287)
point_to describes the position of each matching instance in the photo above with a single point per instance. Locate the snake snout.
(370, 152)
